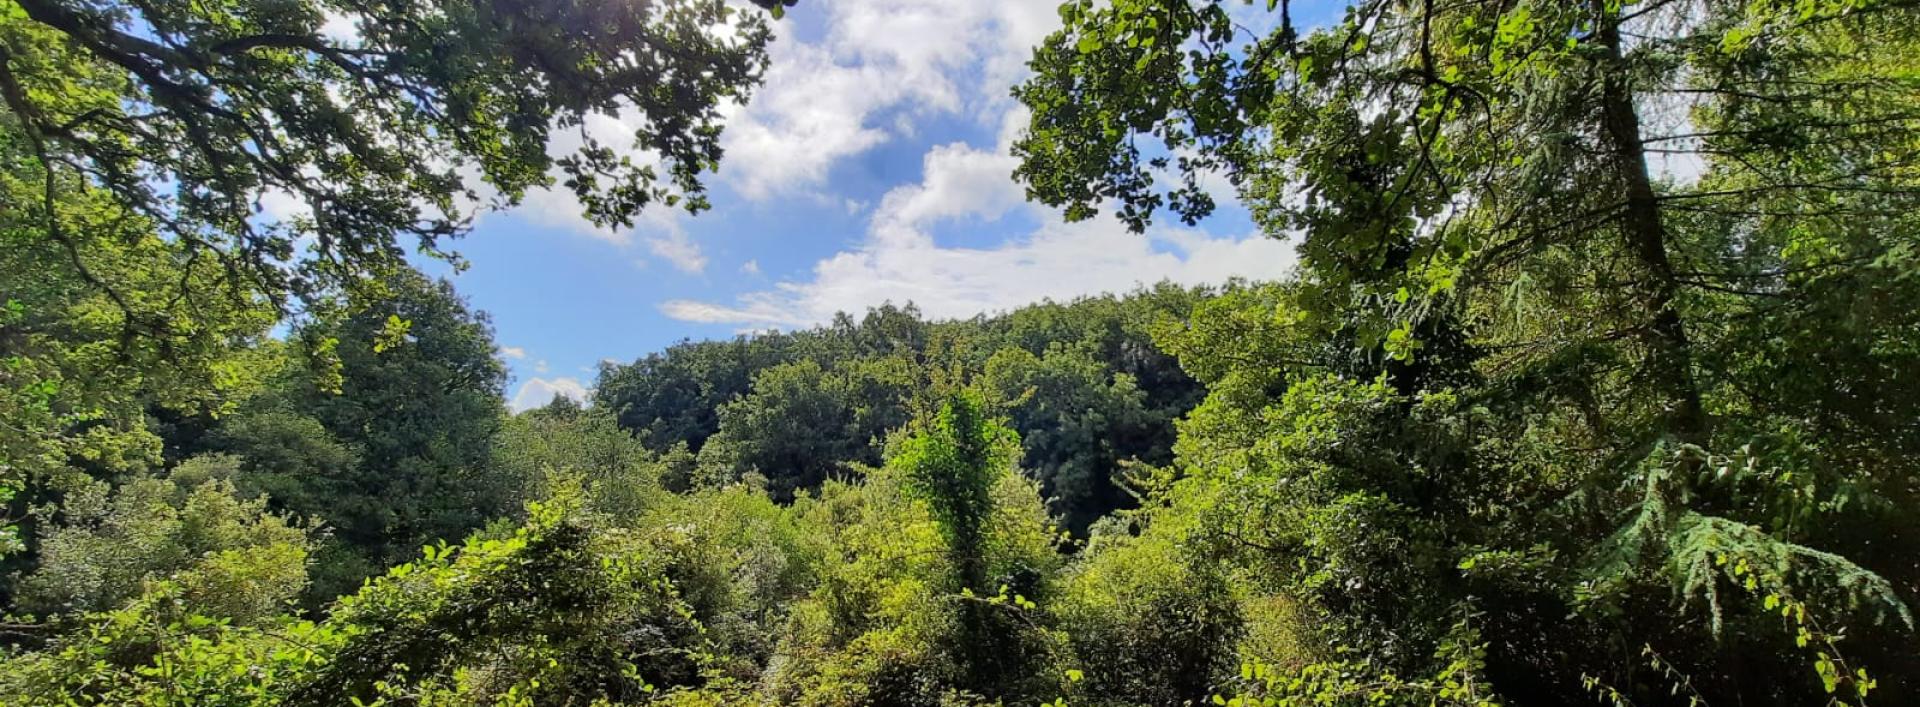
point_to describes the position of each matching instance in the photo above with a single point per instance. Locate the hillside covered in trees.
(1538, 418)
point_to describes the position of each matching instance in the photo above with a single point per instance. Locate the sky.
(871, 167)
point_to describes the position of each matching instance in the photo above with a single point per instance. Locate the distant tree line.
(1080, 381)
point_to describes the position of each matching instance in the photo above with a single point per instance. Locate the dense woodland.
(1536, 420)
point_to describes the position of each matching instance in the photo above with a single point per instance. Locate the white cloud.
(760, 308)
(540, 391)
(900, 261)
(659, 227)
(556, 206)
(751, 267)
(513, 352)
(1057, 261)
(540, 366)
(830, 100)
(879, 70)
(810, 113)
(662, 228)
(958, 181)
(676, 248)
(825, 101)
(880, 67)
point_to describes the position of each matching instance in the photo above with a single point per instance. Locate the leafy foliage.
(189, 115)
(1084, 423)
(1082, 382)
(1534, 421)
(222, 554)
(1506, 317)
(847, 411)
(381, 424)
(144, 144)
(930, 592)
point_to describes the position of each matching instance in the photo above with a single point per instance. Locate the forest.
(1537, 418)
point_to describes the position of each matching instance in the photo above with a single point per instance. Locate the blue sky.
(871, 167)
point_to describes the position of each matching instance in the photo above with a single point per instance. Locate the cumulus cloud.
(537, 392)
(513, 352)
(811, 112)
(751, 267)
(900, 260)
(659, 228)
(880, 66)
(828, 100)
(958, 181)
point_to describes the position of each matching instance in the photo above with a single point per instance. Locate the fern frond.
(1694, 551)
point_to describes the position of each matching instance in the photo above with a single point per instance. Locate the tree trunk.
(1669, 362)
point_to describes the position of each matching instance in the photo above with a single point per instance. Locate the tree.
(560, 407)
(803, 423)
(956, 461)
(1078, 423)
(674, 396)
(1149, 623)
(144, 142)
(681, 394)
(543, 613)
(546, 451)
(930, 578)
(287, 455)
(228, 555)
(365, 116)
(1468, 93)
(886, 330)
(80, 364)
(395, 451)
(1558, 332)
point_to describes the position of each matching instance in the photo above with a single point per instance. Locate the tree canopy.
(1598, 379)
(381, 122)
(1518, 368)
(180, 175)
